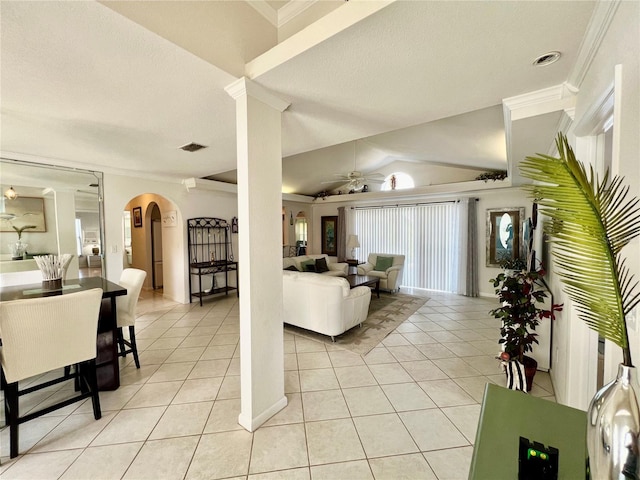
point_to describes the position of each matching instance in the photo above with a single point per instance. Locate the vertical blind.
(426, 234)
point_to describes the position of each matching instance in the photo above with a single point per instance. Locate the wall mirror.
(504, 235)
(72, 209)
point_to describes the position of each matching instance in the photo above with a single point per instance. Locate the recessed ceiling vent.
(192, 147)
(546, 59)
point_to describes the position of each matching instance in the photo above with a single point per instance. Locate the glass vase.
(613, 428)
(18, 250)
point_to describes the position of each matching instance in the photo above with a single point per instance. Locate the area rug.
(385, 314)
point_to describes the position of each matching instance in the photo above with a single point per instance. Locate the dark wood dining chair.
(41, 335)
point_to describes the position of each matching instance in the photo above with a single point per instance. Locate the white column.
(258, 133)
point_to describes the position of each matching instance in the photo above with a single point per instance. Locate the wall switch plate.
(114, 249)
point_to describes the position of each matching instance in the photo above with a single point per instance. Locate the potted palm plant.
(591, 221)
(521, 295)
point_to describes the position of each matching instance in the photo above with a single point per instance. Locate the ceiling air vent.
(192, 147)
(546, 59)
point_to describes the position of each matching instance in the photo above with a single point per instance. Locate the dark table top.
(359, 280)
(35, 290)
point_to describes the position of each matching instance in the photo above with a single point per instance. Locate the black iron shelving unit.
(210, 253)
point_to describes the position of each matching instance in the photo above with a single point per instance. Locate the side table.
(353, 265)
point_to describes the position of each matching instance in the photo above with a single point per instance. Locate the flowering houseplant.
(520, 292)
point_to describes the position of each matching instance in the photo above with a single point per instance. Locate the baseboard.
(252, 424)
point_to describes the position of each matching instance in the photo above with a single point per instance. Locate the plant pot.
(530, 369)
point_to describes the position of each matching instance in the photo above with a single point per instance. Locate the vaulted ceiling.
(121, 85)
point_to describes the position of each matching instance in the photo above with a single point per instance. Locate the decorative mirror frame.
(495, 254)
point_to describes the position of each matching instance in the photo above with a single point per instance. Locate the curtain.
(341, 244)
(425, 234)
(467, 247)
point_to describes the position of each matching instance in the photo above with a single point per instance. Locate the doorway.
(156, 247)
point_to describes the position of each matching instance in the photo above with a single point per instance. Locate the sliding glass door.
(426, 234)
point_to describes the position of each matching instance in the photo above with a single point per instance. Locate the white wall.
(199, 202)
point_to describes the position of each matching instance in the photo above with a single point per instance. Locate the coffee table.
(364, 281)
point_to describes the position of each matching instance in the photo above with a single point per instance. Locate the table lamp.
(353, 243)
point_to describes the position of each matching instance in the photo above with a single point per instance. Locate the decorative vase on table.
(613, 428)
(18, 250)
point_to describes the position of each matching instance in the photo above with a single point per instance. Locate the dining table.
(108, 368)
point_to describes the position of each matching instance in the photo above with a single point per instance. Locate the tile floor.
(408, 409)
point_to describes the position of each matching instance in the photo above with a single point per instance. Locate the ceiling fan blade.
(373, 180)
(343, 180)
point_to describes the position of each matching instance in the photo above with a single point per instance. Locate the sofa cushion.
(308, 265)
(292, 268)
(321, 265)
(382, 263)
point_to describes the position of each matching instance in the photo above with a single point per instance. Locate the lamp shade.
(352, 242)
(11, 194)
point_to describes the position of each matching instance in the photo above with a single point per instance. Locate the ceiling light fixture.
(192, 147)
(11, 194)
(546, 59)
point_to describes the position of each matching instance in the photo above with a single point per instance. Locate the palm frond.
(591, 221)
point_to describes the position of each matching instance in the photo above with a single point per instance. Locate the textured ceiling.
(97, 88)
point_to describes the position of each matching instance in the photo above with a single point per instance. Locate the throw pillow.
(382, 263)
(321, 265)
(292, 268)
(308, 265)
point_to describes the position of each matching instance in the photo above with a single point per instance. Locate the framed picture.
(329, 227)
(137, 217)
(505, 230)
(23, 212)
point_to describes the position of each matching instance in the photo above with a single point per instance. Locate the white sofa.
(323, 304)
(391, 277)
(335, 269)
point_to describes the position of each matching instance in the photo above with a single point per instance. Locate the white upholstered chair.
(40, 335)
(387, 267)
(132, 279)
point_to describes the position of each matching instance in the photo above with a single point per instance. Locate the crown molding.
(244, 86)
(539, 102)
(293, 9)
(266, 10)
(599, 23)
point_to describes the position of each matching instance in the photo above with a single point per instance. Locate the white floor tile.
(167, 459)
(384, 435)
(277, 448)
(324, 405)
(106, 463)
(408, 467)
(333, 441)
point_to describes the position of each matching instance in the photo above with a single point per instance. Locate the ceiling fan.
(356, 180)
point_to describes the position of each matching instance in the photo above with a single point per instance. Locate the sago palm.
(591, 221)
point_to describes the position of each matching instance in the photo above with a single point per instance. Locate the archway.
(150, 229)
